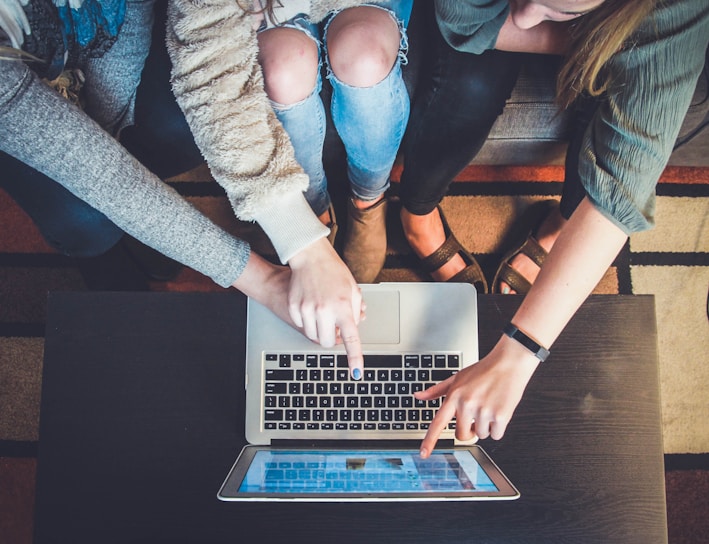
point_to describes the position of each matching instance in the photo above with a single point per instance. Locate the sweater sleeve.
(471, 26)
(46, 132)
(631, 136)
(219, 86)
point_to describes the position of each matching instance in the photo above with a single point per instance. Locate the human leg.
(459, 98)
(370, 109)
(73, 228)
(290, 59)
(112, 79)
(69, 225)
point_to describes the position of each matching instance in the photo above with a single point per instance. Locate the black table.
(142, 416)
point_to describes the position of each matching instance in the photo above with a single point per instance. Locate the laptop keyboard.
(315, 391)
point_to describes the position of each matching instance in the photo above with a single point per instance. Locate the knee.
(81, 232)
(363, 45)
(289, 60)
(489, 83)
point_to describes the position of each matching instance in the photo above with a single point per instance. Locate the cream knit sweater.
(219, 86)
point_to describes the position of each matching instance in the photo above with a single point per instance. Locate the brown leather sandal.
(528, 246)
(472, 273)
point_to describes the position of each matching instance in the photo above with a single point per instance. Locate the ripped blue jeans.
(369, 120)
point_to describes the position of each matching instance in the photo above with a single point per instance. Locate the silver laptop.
(316, 434)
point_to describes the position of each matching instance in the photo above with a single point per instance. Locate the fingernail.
(356, 373)
(423, 452)
(506, 290)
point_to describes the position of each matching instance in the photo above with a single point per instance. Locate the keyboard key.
(440, 375)
(411, 361)
(273, 415)
(327, 361)
(273, 375)
(278, 388)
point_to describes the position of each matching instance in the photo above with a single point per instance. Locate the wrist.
(311, 254)
(526, 341)
(517, 356)
(290, 225)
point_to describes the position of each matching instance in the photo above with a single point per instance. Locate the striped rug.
(671, 262)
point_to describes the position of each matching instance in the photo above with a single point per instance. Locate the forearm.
(585, 249)
(546, 38)
(219, 86)
(43, 130)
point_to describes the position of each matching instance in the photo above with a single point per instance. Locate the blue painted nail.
(506, 290)
(356, 373)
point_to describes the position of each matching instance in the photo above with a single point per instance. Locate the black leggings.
(458, 98)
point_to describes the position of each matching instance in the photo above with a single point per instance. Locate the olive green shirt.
(630, 139)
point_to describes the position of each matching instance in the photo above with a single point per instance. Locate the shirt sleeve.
(631, 137)
(218, 84)
(471, 26)
(46, 132)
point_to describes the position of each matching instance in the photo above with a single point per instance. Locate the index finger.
(440, 422)
(353, 347)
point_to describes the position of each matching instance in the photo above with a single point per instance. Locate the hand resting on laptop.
(325, 307)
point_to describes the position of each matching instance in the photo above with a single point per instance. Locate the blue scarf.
(64, 33)
(91, 20)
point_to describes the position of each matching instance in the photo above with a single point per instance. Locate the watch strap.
(513, 332)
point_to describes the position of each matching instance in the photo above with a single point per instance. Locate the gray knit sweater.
(45, 131)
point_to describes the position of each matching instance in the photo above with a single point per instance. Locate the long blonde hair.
(595, 38)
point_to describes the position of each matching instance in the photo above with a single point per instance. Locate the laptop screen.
(354, 471)
(364, 473)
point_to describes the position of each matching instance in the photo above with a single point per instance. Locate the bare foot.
(425, 235)
(546, 236)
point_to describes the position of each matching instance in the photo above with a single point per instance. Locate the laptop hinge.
(392, 444)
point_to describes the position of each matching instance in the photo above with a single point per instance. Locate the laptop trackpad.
(382, 323)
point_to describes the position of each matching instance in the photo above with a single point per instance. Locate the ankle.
(366, 204)
(550, 229)
(424, 233)
(326, 218)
